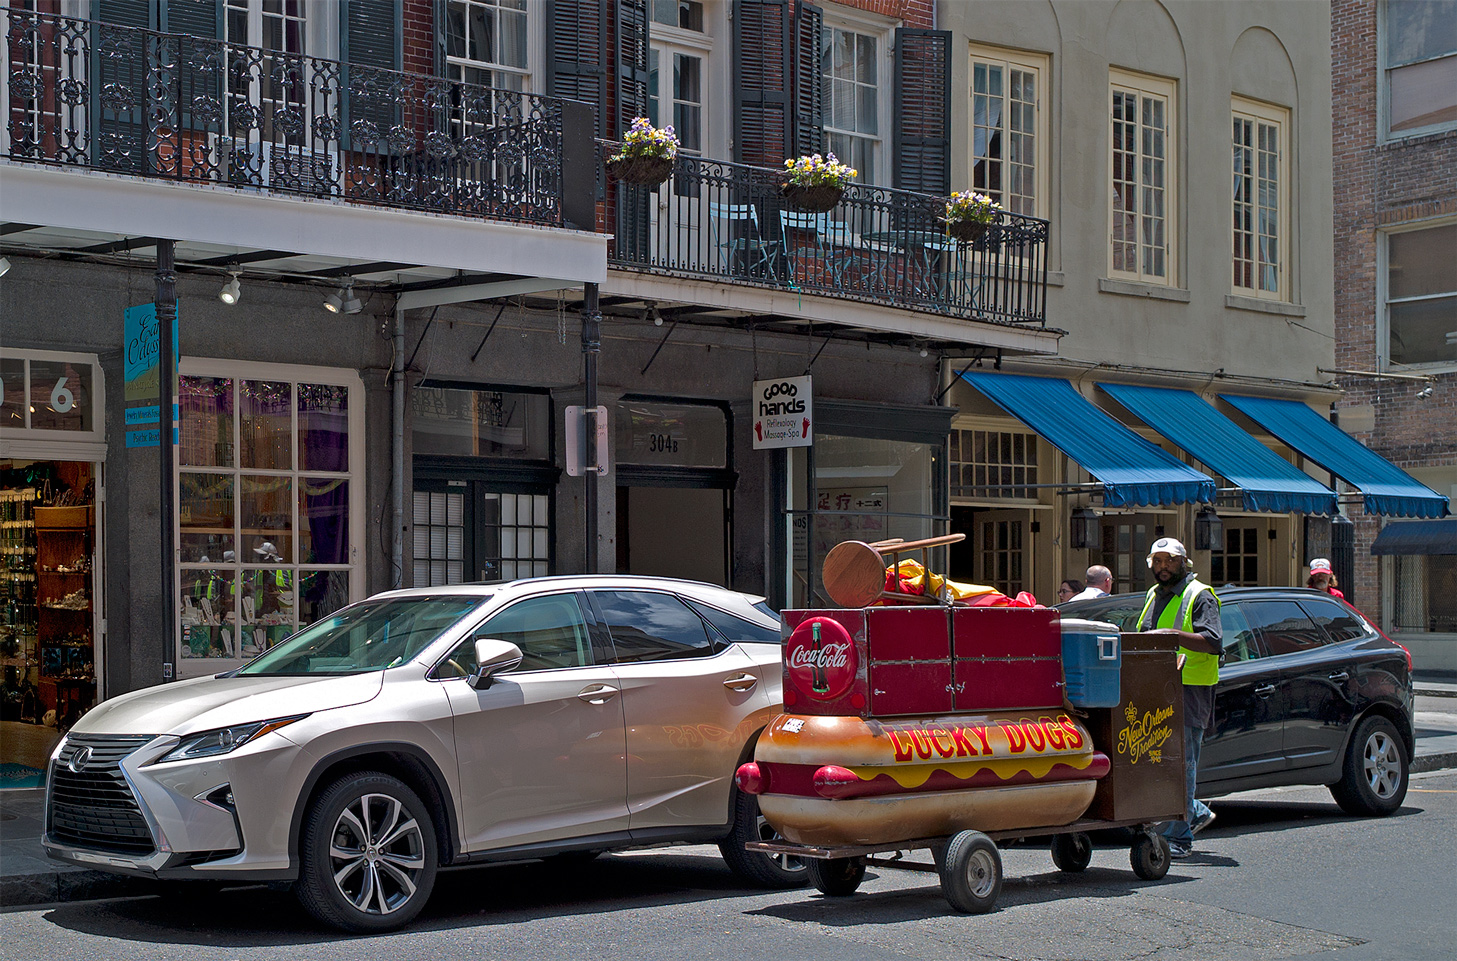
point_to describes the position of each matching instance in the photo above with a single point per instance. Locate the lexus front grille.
(91, 804)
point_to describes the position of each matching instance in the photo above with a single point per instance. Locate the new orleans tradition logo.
(1144, 736)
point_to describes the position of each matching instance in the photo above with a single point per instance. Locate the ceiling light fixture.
(343, 301)
(232, 291)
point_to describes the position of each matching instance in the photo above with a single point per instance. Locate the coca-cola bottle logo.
(820, 658)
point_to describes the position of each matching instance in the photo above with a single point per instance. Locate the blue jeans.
(1178, 832)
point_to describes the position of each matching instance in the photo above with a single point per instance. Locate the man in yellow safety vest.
(1179, 604)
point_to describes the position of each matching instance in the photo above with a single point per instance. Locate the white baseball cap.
(1320, 564)
(1166, 545)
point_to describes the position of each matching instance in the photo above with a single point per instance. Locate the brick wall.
(1380, 186)
(419, 37)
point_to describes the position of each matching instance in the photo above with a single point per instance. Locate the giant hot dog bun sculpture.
(920, 721)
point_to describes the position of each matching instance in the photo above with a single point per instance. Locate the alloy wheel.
(787, 862)
(1382, 764)
(377, 854)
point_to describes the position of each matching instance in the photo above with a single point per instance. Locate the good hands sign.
(783, 413)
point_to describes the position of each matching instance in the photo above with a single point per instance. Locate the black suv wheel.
(1374, 779)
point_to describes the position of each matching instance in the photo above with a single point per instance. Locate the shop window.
(1421, 296)
(1003, 555)
(1419, 59)
(48, 392)
(1239, 562)
(480, 423)
(993, 464)
(267, 513)
(1425, 594)
(464, 531)
(657, 434)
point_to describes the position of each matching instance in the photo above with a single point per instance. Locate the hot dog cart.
(943, 726)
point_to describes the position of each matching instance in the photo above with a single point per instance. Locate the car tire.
(759, 868)
(367, 854)
(1150, 856)
(971, 873)
(837, 877)
(1374, 778)
(1072, 852)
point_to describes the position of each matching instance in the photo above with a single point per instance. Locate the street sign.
(783, 413)
(587, 448)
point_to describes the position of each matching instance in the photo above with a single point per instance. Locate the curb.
(1433, 762)
(61, 886)
(1435, 691)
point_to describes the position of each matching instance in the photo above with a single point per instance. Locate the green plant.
(968, 207)
(644, 140)
(812, 170)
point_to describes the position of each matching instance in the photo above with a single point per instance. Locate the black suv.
(1310, 692)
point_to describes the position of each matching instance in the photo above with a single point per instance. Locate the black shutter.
(439, 13)
(809, 79)
(369, 41)
(922, 159)
(632, 64)
(121, 80)
(196, 18)
(762, 81)
(576, 56)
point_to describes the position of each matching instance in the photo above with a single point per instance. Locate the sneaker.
(1202, 821)
(1180, 851)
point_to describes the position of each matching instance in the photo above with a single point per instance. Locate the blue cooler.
(1092, 659)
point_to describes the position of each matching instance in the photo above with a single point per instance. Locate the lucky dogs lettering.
(1006, 739)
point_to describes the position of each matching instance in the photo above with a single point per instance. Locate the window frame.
(1383, 82)
(1040, 65)
(1243, 108)
(883, 30)
(1142, 85)
(240, 370)
(533, 75)
(1384, 301)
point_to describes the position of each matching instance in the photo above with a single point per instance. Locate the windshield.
(371, 636)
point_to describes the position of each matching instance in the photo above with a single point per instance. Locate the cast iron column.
(166, 317)
(591, 347)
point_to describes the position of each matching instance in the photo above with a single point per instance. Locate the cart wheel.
(1072, 852)
(837, 877)
(1150, 856)
(971, 876)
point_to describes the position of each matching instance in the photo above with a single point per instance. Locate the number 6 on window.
(62, 400)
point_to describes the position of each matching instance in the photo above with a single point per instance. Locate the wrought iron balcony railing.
(80, 93)
(729, 221)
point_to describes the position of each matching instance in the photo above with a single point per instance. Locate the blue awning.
(1419, 538)
(1133, 471)
(1267, 481)
(1387, 488)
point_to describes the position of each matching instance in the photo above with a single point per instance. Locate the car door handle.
(1264, 690)
(740, 682)
(1340, 676)
(597, 694)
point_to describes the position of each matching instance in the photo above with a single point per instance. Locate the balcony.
(726, 222)
(86, 94)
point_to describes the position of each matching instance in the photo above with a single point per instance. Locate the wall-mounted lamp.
(1425, 392)
(1208, 530)
(1085, 529)
(232, 291)
(343, 301)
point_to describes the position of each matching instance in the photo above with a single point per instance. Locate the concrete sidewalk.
(28, 877)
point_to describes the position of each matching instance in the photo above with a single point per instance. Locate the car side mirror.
(493, 656)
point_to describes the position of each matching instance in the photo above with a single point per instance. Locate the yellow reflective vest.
(1200, 669)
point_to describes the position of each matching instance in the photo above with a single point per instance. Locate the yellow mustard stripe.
(913, 776)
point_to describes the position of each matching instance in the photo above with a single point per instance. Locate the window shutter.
(762, 81)
(120, 141)
(439, 14)
(632, 64)
(196, 18)
(923, 110)
(369, 37)
(576, 55)
(809, 79)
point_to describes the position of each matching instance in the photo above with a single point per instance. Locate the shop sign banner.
(141, 386)
(783, 413)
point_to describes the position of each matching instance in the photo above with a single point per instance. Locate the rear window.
(1339, 622)
(736, 628)
(650, 626)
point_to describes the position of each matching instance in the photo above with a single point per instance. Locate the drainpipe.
(167, 316)
(591, 347)
(397, 450)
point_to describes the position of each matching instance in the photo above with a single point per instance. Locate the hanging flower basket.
(966, 231)
(817, 199)
(642, 169)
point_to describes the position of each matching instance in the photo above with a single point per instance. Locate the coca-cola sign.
(820, 658)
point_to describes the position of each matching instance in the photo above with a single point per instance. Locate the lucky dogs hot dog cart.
(919, 716)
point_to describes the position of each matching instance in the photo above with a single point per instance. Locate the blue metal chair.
(820, 250)
(747, 252)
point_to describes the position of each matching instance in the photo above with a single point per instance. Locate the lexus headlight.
(224, 739)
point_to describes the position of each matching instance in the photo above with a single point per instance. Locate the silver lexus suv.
(418, 729)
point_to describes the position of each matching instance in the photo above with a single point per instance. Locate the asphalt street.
(1281, 874)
